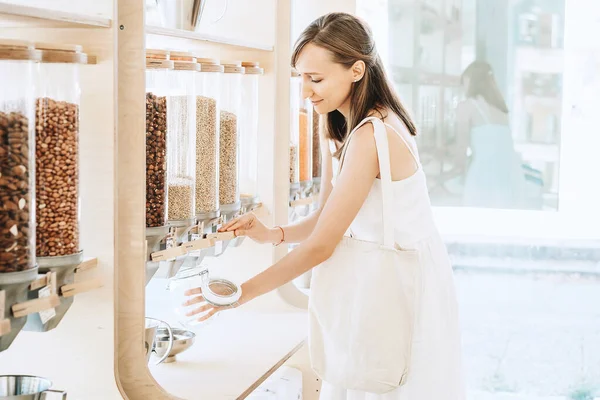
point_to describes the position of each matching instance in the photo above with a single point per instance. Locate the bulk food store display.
(212, 119)
(305, 158)
(40, 211)
(128, 139)
(305, 161)
(201, 116)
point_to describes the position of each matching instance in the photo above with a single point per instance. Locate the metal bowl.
(25, 387)
(182, 340)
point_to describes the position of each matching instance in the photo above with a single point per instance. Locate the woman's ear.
(358, 70)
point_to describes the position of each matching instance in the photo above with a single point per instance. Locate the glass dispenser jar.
(208, 94)
(231, 91)
(316, 146)
(57, 150)
(17, 127)
(216, 290)
(248, 168)
(305, 143)
(181, 140)
(158, 67)
(58, 249)
(295, 95)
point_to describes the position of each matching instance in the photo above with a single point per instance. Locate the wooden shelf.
(183, 34)
(19, 15)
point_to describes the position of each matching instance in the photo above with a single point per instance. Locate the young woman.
(344, 78)
(494, 175)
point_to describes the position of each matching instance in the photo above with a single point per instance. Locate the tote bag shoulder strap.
(387, 195)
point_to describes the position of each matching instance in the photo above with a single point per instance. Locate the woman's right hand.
(249, 225)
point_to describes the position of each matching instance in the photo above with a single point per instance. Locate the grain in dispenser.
(316, 154)
(231, 93)
(181, 140)
(248, 167)
(208, 94)
(17, 180)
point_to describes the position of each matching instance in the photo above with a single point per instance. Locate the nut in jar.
(15, 195)
(17, 206)
(57, 178)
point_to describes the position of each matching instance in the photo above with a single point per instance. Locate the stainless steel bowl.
(182, 340)
(25, 387)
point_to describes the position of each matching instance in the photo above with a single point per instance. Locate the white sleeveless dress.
(436, 367)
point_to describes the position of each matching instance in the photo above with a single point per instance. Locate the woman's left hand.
(206, 310)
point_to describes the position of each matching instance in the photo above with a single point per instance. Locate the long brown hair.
(482, 83)
(349, 40)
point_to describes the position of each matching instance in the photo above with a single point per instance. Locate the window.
(509, 145)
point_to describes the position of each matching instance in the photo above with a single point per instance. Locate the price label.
(218, 248)
(50, 313)
(170, 240)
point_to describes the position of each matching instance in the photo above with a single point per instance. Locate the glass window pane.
(506, 95)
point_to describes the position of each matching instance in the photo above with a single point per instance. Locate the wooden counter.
(232, 352)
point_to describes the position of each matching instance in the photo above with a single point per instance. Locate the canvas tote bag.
(362, 303)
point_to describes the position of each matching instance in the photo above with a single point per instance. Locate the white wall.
(258, 16)
(306, 11)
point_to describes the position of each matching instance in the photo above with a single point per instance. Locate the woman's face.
(325, 83)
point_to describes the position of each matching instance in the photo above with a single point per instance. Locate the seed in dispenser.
(293, 163)
(228, 159)
(207, 130)
(180, 200)
(316, 160)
